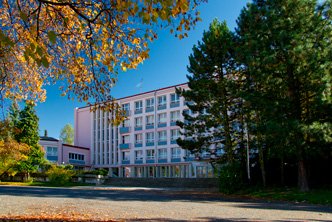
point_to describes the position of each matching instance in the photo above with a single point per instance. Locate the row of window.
(149, 120)
(53, 151)
(76, 156)
(149, 136)
(150, 154)
(149, 103)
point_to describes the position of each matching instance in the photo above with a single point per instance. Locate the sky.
(166, 66)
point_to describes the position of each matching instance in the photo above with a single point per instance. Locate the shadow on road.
(151, 195)
(207, 219)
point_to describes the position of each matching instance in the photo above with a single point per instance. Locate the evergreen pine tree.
(284, 46)
(212, 99)
(27, 133)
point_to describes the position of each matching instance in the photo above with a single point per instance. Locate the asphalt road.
(146, 204)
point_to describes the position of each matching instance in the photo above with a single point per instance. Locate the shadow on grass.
(157, 195)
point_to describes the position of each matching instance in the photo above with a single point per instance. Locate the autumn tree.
(67, 134)
(284, 46)
(11, 152)
(82, 45)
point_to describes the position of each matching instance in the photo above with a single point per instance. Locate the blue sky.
(166, 66)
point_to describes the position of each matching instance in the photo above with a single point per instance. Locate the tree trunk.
(261, 158)
(260, 150)
(296, 114)
(302, 176)
(282, 172)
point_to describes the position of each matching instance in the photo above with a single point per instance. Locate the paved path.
(139, 204)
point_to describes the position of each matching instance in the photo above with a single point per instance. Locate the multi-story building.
(144, 145)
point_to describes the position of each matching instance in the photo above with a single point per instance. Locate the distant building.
(145, 144)
(60, 153)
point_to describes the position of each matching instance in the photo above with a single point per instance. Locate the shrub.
(59, 175)
(230, 178)
(97, 172)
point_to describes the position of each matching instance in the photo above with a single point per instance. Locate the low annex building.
(60, 153)
(144, 145)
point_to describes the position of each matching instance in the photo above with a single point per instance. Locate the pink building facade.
(144, 145)
(60, 153)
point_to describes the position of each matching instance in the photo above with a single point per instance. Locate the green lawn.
(316, 196)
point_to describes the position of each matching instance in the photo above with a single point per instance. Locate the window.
(161, 100)
(138, 138)
(175, 98)
(149, 120)
(125, 156)
(150, 137)
(139, 105)
(126, 106)
(162, 118)
(162, 135)
(150, 154)
(162, 153)
(175, 116)
(126, 123)
(138, 122)
(176, 152)
(149, 103)
(126, 139)
(175, 133)
(139, 154)
(52, 151)
(76, 156)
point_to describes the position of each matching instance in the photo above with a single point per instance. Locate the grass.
(315, 196)
(43, 184)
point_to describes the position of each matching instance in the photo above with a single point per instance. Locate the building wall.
(57, 144)
(76, 150)
(107, 147)
(82, 127)
(62, 154)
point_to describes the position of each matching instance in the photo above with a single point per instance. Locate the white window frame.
(176, 152)
(125, 156)
(138, 138)
(52, 151)
(175, 133)
(162, 118)
(138, 121)
(149, 103)
(149, 137)
(125, 139)
(150, 154)
(148, 123)
(162, 136)
(126, 123)
(162, 100)
(162, 153)
(139, 154)
(175, 115)
(175, 98)
(139, 105)
(126, 106)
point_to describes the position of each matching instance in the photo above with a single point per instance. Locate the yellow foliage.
(81, 43)
(11, 152)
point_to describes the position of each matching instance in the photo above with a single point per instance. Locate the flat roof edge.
(138, 94)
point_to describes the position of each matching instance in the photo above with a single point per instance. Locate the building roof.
(78, 147)
(47, 138)
(138, 94)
